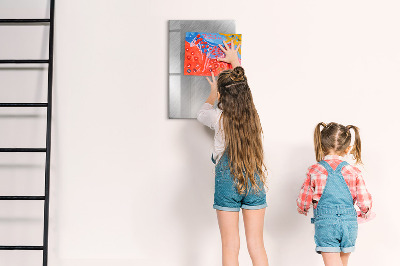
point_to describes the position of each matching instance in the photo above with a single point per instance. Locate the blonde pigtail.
(356, 151)
(319, 153)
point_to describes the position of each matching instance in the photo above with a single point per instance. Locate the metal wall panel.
(188, 93)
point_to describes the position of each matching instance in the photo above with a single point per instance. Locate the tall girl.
(333, 186)
(238, 155)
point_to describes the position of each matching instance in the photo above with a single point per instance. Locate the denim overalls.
(335, 217)
(226, 195)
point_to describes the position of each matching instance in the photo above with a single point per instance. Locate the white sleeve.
(208, 115)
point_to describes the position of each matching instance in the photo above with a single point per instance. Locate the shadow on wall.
(193, 203)
(284, 226)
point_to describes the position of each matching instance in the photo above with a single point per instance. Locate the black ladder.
(47, 105)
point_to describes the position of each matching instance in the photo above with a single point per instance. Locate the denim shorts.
(335, 232)
(226, 195)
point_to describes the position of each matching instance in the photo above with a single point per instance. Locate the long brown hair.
(336, 137)
(242, 130)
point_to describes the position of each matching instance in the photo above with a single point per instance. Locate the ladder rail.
(48, 136)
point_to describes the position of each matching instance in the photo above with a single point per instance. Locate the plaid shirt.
(314, 185)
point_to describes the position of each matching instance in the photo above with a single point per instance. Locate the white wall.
(131, 187)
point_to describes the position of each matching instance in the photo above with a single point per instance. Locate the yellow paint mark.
(237, 39)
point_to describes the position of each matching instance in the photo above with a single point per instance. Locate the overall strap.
(212, 159)
(326, 166)
(340, 166)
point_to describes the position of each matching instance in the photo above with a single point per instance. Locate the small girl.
(238, 155)
(333, 186)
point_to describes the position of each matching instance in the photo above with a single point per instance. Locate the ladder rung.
(22, 149)
(21, 247)
(23, 104)
(23, 61)
(22, 197)
(34, 20)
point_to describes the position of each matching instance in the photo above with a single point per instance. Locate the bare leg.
(345, 258)
(254, 227)
(332, 259)
(229, 228)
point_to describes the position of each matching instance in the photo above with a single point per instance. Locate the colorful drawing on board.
(202, 51)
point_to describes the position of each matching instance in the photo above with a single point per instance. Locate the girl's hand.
(231, 54)
(214, 89)
(301, 211)
(213, 82)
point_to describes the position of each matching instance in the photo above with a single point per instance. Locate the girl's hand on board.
(231, 54)
(214, 89)
(213, 83)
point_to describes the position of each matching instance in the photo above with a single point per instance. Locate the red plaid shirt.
(314, 185)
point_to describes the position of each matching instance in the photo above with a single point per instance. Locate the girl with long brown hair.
(333, 186)
(240, 172)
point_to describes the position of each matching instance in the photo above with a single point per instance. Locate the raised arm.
(207, 115)
(231, 54)
(214, 90)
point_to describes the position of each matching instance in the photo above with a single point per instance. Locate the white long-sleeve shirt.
(210, 116)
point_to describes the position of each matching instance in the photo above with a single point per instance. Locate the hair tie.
(234, 84)
(233, 78)
(348, 130)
